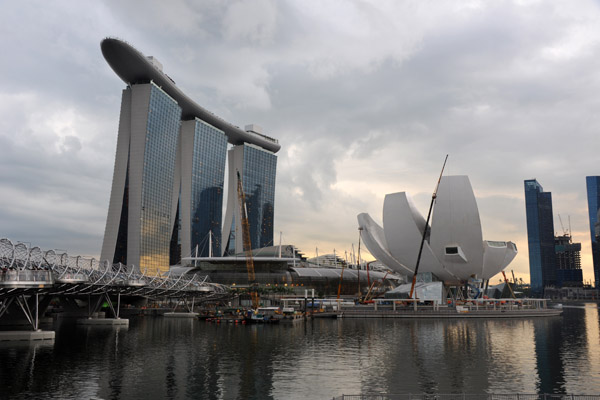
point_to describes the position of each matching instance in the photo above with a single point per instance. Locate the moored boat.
(291, 316)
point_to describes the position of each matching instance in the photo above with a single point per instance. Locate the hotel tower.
(168, 183)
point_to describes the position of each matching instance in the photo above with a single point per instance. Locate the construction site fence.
(467, 397)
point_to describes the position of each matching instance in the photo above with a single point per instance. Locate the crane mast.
(508, 284)
(247, 243)
(433, 197)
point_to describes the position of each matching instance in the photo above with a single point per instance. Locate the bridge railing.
(33, 277)
(20, 263)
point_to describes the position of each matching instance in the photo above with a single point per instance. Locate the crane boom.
(433, 197)
(247, 243)
(340, 284)
(561, 225)
(508, 284)
(370, 293)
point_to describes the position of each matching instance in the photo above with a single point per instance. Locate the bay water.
(158, 357)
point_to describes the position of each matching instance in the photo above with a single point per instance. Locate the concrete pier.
(103, 321)
(26, 335)
(181, 315)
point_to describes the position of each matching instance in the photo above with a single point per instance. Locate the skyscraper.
(568, 261)
(139, 214)
(167, 190)
(540, 236)
(257, 168)
(593, 195)
(203, 150)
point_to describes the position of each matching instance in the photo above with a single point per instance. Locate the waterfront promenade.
(480, 308)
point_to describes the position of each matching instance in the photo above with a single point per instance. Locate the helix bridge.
(30, 277)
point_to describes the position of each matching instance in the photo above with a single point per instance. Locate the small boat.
(263, 315)
(291, 316)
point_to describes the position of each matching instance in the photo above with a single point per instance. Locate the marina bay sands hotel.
(168, 182)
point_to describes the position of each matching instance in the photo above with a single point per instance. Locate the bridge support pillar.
(31, 309)
(116, 321)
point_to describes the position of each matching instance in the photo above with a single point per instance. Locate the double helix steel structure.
(27, 272)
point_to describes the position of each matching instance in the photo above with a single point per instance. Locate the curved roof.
(133, 67)
(335, 273)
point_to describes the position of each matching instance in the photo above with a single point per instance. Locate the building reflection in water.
(170, 358)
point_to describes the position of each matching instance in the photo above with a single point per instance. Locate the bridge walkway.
(30, 277)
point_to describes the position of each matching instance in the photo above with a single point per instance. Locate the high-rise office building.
(593, 195)
(568, 261)
(167, 191)
(257, 169)
(540, 236)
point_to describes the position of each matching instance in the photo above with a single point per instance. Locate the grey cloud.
(70, 144)
(368, 101)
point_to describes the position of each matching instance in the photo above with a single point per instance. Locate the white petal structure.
(496, 257)
(454, 250)
(374, 238)
(403, 235)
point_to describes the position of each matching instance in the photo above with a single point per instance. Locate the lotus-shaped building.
(454, 250)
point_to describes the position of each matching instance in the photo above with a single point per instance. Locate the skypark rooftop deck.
(133, 67)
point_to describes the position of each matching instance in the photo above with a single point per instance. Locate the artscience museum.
(454, 250)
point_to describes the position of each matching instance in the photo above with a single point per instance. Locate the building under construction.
(568, 262)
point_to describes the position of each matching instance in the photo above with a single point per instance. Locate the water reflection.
(180, 359)
(549, 367)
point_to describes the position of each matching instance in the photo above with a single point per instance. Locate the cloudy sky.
(366, 98)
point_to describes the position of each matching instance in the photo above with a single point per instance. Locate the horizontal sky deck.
(133, 67)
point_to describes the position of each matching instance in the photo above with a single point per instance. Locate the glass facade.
(568, 262)
(593, 197)
(540, 236)
(162, 131)
(259, 186)
(208, 175)
(258, 177)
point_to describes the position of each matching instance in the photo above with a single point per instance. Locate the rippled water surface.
(185, 359)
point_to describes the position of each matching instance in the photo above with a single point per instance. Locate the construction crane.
(370, 293)
(252, 284)
(433, 197)
(565, 232)
(508, 284)
(340, 284)
(358, 264)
